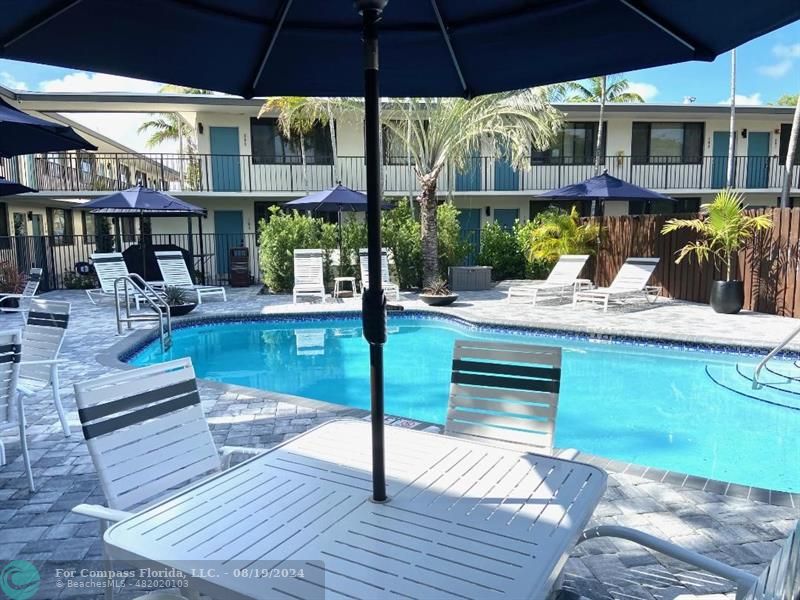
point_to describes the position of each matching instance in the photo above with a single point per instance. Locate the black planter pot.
(9, 303)
(178, 310)
(727, 297)
(432, 300)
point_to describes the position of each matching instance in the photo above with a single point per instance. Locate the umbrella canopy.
(430, 48)
(332, 200)
(142, 201)
(605, 187)
(21, 133)
(9, 188)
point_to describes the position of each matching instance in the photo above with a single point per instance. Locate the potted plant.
(723, 229)
(438, 294)
(177, 300)
(11, 282)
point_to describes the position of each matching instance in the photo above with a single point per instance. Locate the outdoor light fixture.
(488, 211)
(744, 133)
(30, 215)
(199, 128)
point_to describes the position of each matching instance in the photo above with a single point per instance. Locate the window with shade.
(270, 147)
(575, 145)
(783, 150)
(667, 143)
(59, 223)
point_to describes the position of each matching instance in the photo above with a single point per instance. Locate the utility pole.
(788, 162)
(732, 130)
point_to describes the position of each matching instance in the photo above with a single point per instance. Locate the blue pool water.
(646, 404)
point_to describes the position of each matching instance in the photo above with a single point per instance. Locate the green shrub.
(400, 233)
(501, 250)
(555, 232)
(452, 248)
(354, 237)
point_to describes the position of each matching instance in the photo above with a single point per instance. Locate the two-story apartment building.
(243, 165)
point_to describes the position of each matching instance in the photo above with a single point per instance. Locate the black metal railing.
(99, 172)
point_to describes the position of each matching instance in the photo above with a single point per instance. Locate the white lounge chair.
(562, 279)
(175, 274)
(505, 394)
(388, 286)
(110, 266)
(28, 292)
(631, 281)
(309, 275)
(147, 436)
(12, 411)
(42, 337)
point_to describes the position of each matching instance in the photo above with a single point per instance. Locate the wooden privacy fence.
(769, 266)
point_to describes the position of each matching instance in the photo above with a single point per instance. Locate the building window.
(786, 131)
(128, 228)
(59, 223)
(141, 178)
(5, 241)
(262, 212)
(125, 176)
(394, 145)
(89, 223)
(667, 143)
(575, 145)
(20, 224)
(270, 147)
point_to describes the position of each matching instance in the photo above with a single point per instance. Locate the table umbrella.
(605, 187)
(21, 133)
(9, 188)
(430, 48)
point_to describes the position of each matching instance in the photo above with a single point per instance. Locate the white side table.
(337, 286)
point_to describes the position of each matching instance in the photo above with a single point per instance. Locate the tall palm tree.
(791, 152)
(437, 132)
(172, 127)
(616, 89)
(299, 115)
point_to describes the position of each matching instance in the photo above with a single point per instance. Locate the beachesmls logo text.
(19, 580)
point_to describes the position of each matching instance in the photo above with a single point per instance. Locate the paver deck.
(39, 527)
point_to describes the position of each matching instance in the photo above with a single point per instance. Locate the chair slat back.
(781, 579)
(173, 268)
(10, 355)
(364, 261)
(109, 266)
(634, 274)
(146, 431)
(567, 269)
(505, 394)
(308, 269)
(43, 336)
(32, 285)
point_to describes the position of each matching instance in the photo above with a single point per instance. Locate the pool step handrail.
(784, 342)
(152, 297)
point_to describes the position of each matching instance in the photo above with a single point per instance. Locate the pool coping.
(118, 353)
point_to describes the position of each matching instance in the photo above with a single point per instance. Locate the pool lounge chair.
(42, 338)
(631, 281)
(175, 274)
(28, 292)
(388, 286)
(12, 412)
(562, 279)
(110, 266)
(309, 275)
(505, 394)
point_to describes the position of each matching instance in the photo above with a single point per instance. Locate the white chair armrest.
(227, 452)
(51, 361)
(101, 512)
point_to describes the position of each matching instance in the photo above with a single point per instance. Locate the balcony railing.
(97, 172)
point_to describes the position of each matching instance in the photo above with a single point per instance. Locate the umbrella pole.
(374, 302)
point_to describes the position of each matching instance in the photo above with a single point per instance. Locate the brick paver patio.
(39, 527)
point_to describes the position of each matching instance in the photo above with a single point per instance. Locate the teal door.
(719, 164)
(757, 159)
(225, 164)
(469, 220)
(506, 177)
(505, 217)
(229, 233)
(469, 178)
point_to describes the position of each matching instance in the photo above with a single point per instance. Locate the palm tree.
(614, 87)
(437, 132)
(182, 89)
(555, 232)
(299, 115)
(791, 152)
(171, 127)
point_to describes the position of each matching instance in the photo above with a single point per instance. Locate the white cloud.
(9, 81)
(80, 81)
(786, 55)
(742, 100)
(646, 90)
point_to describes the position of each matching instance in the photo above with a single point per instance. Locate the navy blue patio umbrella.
(605, 187)
(9, 188)
(337, 199)
(21, 133)
(429, 48)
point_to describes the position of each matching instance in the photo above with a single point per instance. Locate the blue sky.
(767, 68)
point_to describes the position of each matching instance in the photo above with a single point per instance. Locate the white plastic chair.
(12, 412)
(562, 279)
(110, 266)
(175, 274)
(42, 338)
(309, 275)
(631, 281)
(388, 286)
(28, 292)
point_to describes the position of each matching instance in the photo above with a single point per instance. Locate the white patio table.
(464, 520)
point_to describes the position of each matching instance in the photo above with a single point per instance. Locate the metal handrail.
(152, 297)
(771, 355)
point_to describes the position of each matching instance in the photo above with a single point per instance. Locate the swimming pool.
(644, 403)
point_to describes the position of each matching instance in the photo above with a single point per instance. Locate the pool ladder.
(155, 300)
(756, 383)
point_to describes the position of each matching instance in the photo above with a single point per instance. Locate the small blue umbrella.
(9, 188)
(605, 187)
(142, 201)
(336, 199)
(21, 133)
